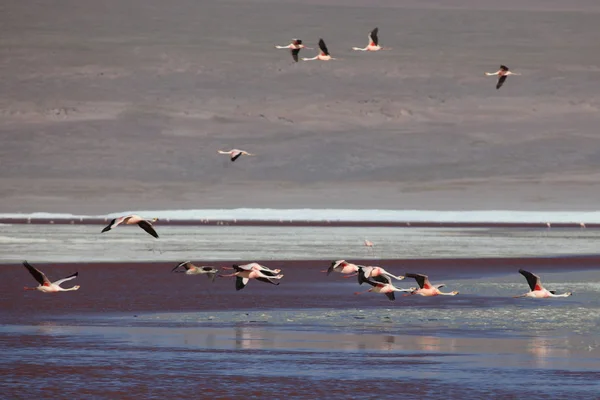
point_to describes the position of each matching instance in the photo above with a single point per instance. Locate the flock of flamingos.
(380, 280)
(296, 45)
(373, 45)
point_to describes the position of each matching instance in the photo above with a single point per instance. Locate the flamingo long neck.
(560, 295)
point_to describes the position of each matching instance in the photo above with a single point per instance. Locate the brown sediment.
(299, 223)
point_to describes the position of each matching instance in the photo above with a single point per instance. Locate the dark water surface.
(137, 330)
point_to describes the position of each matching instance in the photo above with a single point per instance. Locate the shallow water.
(85, 243)
(136, 329)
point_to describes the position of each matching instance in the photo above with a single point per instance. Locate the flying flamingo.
(382, 284)
(256, 267)
(373, 43)
(45, 285)
(365, 273)
(235, 153)
(323, 54)
(191, 269)
(131, 220)
(294, 47)
(244, 273)
(502, 73)
(537, 290)
(343, 267)
(426, 288)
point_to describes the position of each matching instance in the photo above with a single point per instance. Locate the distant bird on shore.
(235, 153)
(294, 47)
(382, 284)
(342, 267)
(244, 273)
(191, 269)
(426, 288)
(133, 220)
(373, 43)
(323, 54)
(371, 272)
(502, 74)
(369, 245)
(537, 290)
(45, 285)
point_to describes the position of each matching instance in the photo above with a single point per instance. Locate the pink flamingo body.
(537, 290)
(45, 286)
(371, 272)
(373, 42)
(502, 74)
(382, 284)
(323, 54)
(133, 220)
(294, 47)
(343, 267)
(426, 288)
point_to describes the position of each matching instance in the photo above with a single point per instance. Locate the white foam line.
(259, 214)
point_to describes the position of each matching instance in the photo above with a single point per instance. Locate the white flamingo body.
(323, 53)
(426, 288)
(294, 47)
(502, 74)
(382, 284)
(373, 42)
(244, 273)
(133, 220)
(45, 286)
(537, 290)
(234, 154)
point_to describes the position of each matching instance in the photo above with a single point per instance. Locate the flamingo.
(131, 220)
(537, 290)
(502, 73)
(373, 42)
(426, 288)
(343, 267)
(294, 47)
(582, 225)
(235, 153)
(370, 246)
(191, 269)
(365, 273)
(45, 285)
(323, 55)
(244, 273)
(381, 284)
(257, 267)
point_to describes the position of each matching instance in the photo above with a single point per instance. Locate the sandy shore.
(126, 110)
